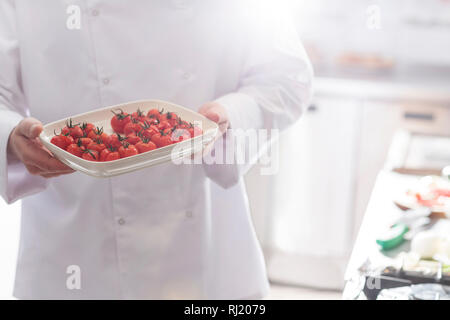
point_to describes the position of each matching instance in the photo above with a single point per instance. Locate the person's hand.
(24, 145)
(217, 113)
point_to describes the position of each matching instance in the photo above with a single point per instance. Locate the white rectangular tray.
(102, 117)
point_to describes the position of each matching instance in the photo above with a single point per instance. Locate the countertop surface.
(381, 212)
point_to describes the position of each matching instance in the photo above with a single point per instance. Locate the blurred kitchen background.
(382, 74)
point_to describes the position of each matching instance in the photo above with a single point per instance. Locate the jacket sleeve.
(274, 88)
(15, 181)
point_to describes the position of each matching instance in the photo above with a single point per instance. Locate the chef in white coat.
(165, 232)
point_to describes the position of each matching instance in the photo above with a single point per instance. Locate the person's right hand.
(24, 145)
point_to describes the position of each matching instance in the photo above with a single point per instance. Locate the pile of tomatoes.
(133, 134)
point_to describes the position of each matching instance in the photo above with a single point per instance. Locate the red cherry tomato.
(115, 140)
(127, 150)
(62, 140)
(144, 146)
(150, 121)
(154, 113)
(132, 127)
(119, 120)
(155, 138)
(112, 156)
(76, 132)
(132, 138)
(96, 145)
(57, 141)
(72, 129)
(98, 134)
(161, 140)
(183, 124)
(149, 130)
(87, 127)
(138, 115)
(85, 141)
(75, 149)
(164, 125)
(172, 118)
(109, 154)
(91, 155)
(104, 153)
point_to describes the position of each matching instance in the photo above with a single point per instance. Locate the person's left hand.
(215, 112)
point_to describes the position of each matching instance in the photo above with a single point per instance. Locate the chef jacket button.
(95, 12)
(121, 221)
(106, 81)
(189, 214)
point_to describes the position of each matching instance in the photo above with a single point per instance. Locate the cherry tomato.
(96, 145)
(91, 155)
(87, 127)
(62, 140)
(85, 141)
(104, 153)
(154, 113)
(115, 140)
(72, 129)
(127, 150)
(168, 131)
(164, 125)
(68, 139)
(172, 118)
(155, 138)
(132, 127)
(145, 145)
(76, 132)
(183, 124)
(150, 121)
(119, 120)
(65, 131)
(165, 140)
(138, 115)
(161, 139)
(109, 154)
(97, 134)
(112, 156)
(132, 138)
(75, 149)
(59, 142)
(148, 130)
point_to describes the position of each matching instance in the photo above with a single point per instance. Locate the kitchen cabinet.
(306, 212)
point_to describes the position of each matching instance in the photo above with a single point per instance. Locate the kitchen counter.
(381, 212)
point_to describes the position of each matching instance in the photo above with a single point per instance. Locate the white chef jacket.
(166, 232)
